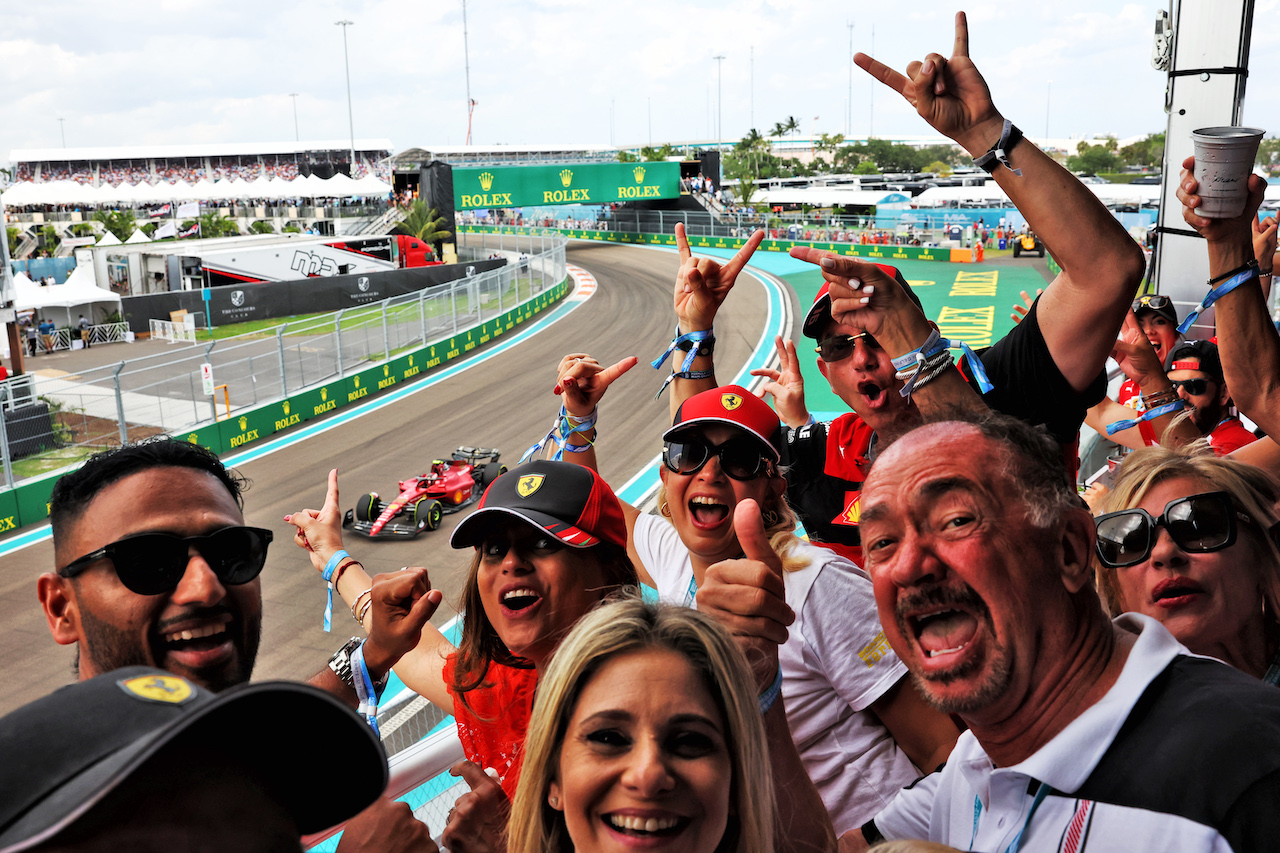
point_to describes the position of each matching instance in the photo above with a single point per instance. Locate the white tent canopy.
(69, 192)
(80, 291)
(138, 237)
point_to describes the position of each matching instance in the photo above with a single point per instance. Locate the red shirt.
(1230, 435)
(494, 720)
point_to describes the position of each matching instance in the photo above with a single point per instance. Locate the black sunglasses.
(1195, 387)
(838, 347)
(154, 563)
(1198, 524)
(740, 458)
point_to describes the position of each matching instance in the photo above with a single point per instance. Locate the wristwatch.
(340, 663)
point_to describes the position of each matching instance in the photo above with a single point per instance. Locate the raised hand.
(785, 384)
(319, 532)
(403, 601)
(702, 283)
(581, 381)
(863, 297)
(1240, 229)
(748, 597)
(950, 94)
(478, 821)
(1020, 311)
(1264, 242)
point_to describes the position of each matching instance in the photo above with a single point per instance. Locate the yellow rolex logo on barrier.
(566, 176)
(486, 181)
(638, 171)
(244, 424)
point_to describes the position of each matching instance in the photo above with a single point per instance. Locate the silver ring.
(404, 569)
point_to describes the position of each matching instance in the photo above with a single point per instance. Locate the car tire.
(368, 507)
(427, 513)
(1042, 251)
(490, 472)
(1017, 251)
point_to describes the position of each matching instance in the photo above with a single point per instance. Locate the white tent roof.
(79, 289)
(108, 239)
(138, 237)
(69, 192)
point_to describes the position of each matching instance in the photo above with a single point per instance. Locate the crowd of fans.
(188, 169)
(966, 651)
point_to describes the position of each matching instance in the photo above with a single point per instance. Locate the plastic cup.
(1224, 161)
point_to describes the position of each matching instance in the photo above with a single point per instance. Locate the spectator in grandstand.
(178, 587)
(646, 733)
(1047, 370)
(1196, 371)
(722, 542)
(139, 759)
(981, 556)
(1212, 577)
(549, 543)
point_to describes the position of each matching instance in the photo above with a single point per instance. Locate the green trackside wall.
(28, 503)
(857, 250)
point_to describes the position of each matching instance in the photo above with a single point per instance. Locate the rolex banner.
(581, 183)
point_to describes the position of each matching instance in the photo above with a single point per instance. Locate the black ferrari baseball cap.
(820, 311)
(64, 753)
(1197, 355)
(571, 502)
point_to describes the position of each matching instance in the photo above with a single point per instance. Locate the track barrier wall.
(28, 502)
(855, 250)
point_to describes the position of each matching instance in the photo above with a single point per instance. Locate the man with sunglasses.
(155, 566)
(1195, 370)
(1048, 370)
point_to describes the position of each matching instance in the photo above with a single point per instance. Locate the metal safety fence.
(53, 421)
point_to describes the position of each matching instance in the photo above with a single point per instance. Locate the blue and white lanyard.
(1150, 414)
(1017, 839)
(691, 595)
(1217, 293)
(933, 345)
(366, 693)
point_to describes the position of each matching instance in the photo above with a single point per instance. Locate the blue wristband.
(769, 696)
(366, 692)
(329, 568)
(1249, 273)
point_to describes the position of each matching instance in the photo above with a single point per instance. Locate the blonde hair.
(1253, 491)
(623, 626)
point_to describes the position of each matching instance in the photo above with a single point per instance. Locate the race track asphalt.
(506, 403)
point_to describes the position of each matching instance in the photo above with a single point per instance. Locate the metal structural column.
(120, 417)
(284, 380)
(337, 334)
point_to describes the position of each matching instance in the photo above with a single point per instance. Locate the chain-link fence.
(50, 422)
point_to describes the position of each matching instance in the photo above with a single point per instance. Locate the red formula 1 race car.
(424, 499)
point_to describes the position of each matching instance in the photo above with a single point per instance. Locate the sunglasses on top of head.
(154, 563)
(740, 458)
(1198, 524)
(1153, 302)
(839, 347)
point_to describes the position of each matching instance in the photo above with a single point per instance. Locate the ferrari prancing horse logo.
(167, 689)
(730, 401)
(529, 484)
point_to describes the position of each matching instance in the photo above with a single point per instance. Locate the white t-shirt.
(835, 664)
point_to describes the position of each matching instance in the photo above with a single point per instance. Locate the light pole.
(849, 128)
(62, 128)
(351, 123)
(650, 122)
(294, 95)
(1048, 90)
(466, 67)
(753, 87)
(719, 103)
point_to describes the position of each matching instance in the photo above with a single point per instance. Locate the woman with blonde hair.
(1190, 539)
(645, 732)
(724, 535)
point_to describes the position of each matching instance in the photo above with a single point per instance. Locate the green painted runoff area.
(969, 302)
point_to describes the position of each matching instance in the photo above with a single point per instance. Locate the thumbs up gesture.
(747, 595)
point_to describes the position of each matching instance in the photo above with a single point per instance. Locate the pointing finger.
(331, 495)
(881, 72)
(613, 371)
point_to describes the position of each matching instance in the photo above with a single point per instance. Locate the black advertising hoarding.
(238, 303)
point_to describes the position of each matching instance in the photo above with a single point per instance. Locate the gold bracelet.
(355, 605)
(364, 611)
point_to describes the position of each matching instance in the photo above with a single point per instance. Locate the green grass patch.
(51, 460)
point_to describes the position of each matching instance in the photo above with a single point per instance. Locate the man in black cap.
(1195, 369)
(140, 759)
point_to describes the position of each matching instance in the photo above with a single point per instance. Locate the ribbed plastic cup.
(1224, 161)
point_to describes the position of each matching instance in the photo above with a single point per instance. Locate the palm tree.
(792, 125)
(426, 225)
(119, 222)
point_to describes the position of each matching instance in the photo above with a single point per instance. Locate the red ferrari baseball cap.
(568, 501)
(732, 405)
(820, 311)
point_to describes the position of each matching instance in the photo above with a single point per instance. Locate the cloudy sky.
(562, 71)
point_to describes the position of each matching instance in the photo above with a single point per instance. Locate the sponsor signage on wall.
(581, 183)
